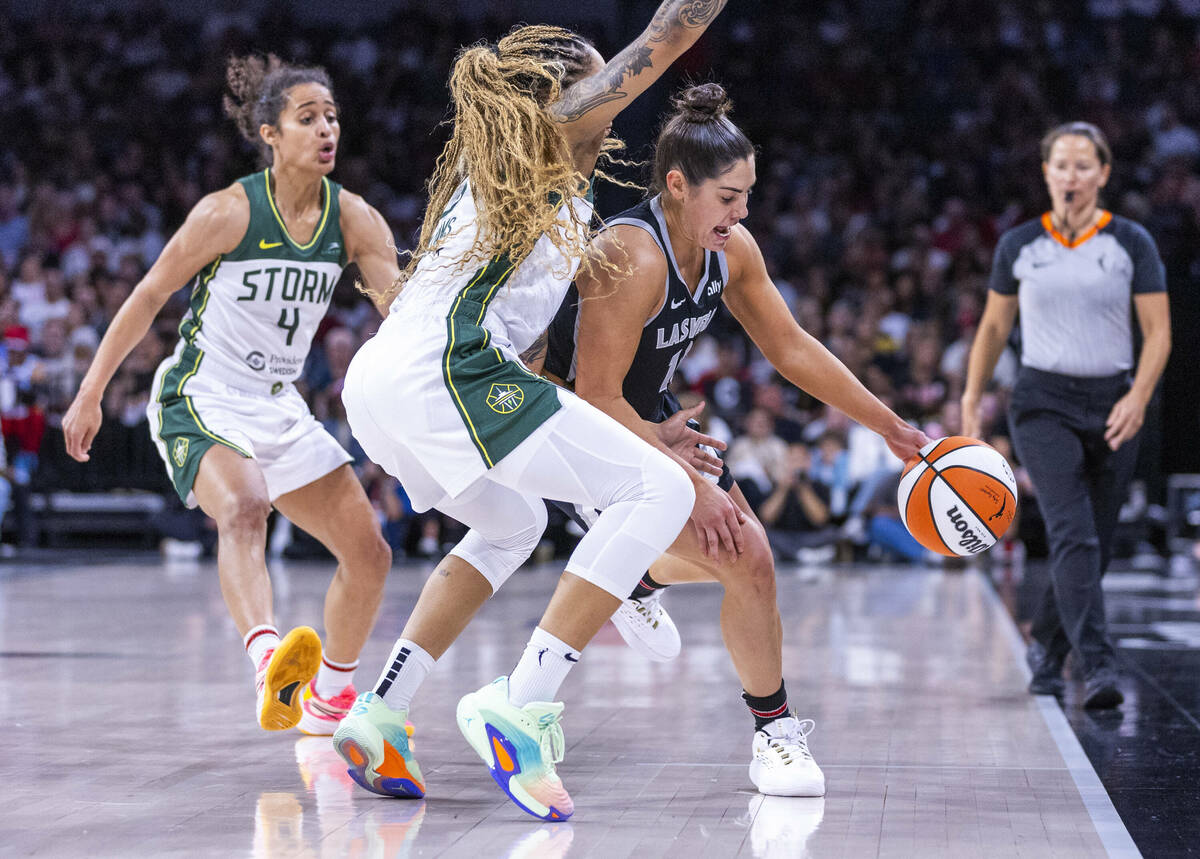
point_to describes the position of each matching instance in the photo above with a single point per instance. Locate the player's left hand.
(906, 441)
(685, 442)
(1124, 420)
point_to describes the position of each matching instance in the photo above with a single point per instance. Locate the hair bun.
(702, 103)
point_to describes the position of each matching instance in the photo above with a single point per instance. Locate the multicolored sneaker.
(783, 765)
(520, 745)
(321, 715)
(373, 739)
(282, 675)
(647, 628)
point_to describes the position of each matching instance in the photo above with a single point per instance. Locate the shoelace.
(794, 744)
(552, 741)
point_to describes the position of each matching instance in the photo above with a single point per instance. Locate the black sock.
(646, 587)
(768, 709)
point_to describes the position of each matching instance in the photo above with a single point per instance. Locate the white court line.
(1113, 834)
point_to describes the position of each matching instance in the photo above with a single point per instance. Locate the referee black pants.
(1057, 425)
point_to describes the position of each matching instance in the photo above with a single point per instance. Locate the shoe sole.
(501, 759)
(810, 789)
(1104, 699)
(389, 776)
(293, 665)
(639, 644)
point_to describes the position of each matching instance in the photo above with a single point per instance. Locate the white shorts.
(191, 411)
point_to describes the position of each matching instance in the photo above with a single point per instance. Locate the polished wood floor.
(128, 704)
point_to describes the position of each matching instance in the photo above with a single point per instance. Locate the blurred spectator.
(756, 457)
(796, 513)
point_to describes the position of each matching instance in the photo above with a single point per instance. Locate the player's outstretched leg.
(783, 765)
(520, 746)
(282, 675)
(374, 740)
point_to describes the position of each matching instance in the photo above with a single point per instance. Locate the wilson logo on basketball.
(968, 540)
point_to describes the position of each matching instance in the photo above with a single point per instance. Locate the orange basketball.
(958, 497)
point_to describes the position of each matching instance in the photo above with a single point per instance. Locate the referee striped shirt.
(1074, 298)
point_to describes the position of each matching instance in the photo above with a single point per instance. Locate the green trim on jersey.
(190, 325)
(180, 427)
(267, 237)
(499, 400)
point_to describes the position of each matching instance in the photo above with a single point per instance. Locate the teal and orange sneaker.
(520, 746)
(282, 675)
(373, 739)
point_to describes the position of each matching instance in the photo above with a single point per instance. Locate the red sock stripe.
(270, 629)
(649, 586)
(342, 668)
(770, 714)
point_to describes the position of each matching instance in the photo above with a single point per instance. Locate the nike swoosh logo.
(266, 246)
(675, 305)
(569, 657)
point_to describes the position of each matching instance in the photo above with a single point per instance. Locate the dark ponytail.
(258, 93)
(698, 139)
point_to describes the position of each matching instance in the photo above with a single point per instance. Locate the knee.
(244, 515)
(521, 543)
(754, 572)
(364, 555)
(668, 483)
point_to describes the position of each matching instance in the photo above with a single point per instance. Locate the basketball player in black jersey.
(619, 340)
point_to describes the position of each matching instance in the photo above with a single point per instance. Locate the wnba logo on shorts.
(505, 399)
(179, 452)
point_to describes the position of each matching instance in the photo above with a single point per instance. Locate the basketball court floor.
(128, 704)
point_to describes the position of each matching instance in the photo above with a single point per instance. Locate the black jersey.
(667, 337)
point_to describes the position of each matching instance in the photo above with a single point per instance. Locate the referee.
(1076, 409)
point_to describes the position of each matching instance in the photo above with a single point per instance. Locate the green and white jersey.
(517, 302)
(254, 311)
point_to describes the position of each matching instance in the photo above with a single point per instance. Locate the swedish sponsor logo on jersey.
(179, 451)
(505, 399)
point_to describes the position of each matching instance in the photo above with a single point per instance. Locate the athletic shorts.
(191, 411)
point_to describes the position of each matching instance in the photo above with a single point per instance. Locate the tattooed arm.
(535, 356)
(590, 105)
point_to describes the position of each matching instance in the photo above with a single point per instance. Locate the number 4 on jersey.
(291, 327)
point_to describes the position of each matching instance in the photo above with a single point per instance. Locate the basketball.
(959, 497)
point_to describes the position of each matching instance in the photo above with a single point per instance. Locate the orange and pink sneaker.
(282, 675)
(322, 715)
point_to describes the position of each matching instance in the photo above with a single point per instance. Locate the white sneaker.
(647, 628)
(783, 765)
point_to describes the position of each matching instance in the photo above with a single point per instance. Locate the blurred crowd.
(897, 141)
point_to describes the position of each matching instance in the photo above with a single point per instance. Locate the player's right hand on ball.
(718, 521)
(80, 425)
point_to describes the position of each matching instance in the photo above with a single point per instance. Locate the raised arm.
(214, 227)
(591, 104)
(756, 303)
(370, 244)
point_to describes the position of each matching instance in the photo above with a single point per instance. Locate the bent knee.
(754, 569)
(666, 481)
(244, 513)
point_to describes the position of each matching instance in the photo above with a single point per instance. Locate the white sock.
(402, 676)
(333, 677)
(258, 641)
(542, 669)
